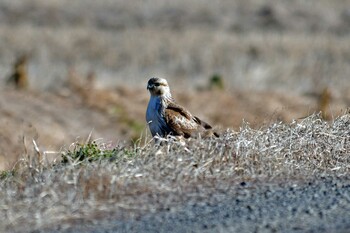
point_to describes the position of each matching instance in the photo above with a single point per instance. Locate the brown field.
(275, 59)
(89, 61)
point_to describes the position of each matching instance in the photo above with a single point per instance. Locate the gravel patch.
(322, 205)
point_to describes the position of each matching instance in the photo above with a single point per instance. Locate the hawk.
(165, 117)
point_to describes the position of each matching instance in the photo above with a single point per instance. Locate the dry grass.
(151, 177)
(306, 63)
(298, 46)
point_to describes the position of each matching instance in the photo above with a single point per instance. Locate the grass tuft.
(93, 151)
(6, 174)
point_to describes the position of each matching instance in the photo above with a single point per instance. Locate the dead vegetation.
(299, 47)
(19, 76)
(119, 181)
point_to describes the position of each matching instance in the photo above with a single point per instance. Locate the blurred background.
(69, 68)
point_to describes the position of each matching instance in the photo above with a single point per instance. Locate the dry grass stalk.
(19, 76)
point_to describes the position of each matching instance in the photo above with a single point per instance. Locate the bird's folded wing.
(180, 120)
(179, 109)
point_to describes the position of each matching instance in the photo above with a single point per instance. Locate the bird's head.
(158, 87)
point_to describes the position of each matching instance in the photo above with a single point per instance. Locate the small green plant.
(89, 152)
(92, 151)
(216, 82)
(6, 174)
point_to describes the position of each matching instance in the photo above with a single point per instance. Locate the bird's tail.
(206, 126)
(202, 123)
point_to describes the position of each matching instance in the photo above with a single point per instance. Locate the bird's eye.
(156, 84)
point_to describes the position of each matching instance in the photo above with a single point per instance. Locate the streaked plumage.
(165, 117)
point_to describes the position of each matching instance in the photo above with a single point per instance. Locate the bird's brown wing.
(180, 120)
(183, 123)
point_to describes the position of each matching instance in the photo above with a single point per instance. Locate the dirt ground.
(317, 206)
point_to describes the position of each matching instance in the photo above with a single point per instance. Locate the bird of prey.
(165, 117)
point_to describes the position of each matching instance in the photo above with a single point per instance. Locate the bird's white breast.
(154, 116)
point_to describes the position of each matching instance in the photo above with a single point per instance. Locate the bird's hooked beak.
(150, 86)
